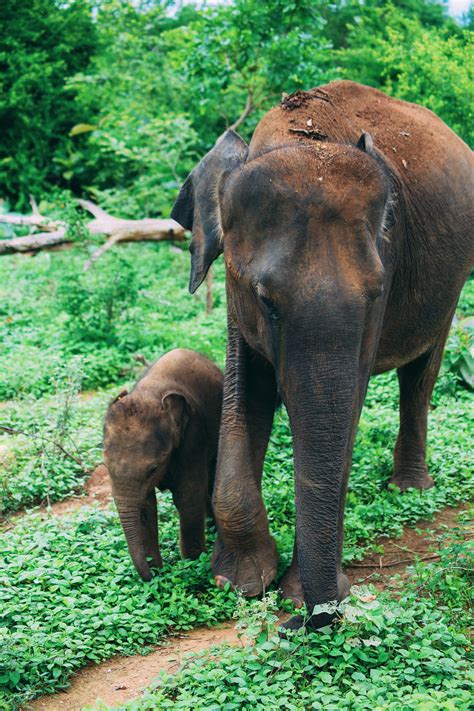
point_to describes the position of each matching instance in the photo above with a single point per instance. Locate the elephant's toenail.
(221, 581)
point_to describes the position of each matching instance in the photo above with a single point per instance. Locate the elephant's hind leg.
(416, 380)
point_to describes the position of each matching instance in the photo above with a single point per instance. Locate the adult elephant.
(346, 227)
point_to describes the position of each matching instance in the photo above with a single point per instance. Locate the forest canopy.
(116, 99)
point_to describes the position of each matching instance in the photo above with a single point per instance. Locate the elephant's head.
(301, 227)
(140, 433)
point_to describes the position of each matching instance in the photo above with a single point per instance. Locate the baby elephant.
(164, 434)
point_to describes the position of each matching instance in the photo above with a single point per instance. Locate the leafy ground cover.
(407, 653)
(69, 594)
(134, 301)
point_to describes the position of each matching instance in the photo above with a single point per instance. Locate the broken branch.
(116, 228)
(35, 242)
(249, 107)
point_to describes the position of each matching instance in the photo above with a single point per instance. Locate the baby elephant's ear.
(177, 411)
(120, 396)
(197, 206)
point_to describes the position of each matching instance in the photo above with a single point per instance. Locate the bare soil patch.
(422, 542)
(98, 491)
(123, 678)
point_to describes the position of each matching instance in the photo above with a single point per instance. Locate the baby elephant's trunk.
(140, 526)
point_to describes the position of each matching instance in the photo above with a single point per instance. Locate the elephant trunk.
(139, 523)
(321, 394)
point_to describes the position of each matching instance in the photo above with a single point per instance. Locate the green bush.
(50, 445)
(385, 654)
(97, 302)
(135, 300)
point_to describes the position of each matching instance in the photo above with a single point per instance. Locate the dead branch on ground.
(115, 228)
(34, 243)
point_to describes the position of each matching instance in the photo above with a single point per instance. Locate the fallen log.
(117, 229)
(121, 230)
(35, 242)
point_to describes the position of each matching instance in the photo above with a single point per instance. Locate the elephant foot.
(249, 572)
(290, 586)
(311, 625)
(412, 479)
(317, 621)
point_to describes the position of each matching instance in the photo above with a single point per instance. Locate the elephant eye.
(267, 304)
(151, 471)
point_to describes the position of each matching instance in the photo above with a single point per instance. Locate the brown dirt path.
(123, 678)
(98, 490)
(421, 542)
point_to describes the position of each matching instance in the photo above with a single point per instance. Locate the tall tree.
(42, 42)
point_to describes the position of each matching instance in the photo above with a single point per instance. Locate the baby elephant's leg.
(190, 498)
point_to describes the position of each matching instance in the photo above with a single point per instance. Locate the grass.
(69, 594)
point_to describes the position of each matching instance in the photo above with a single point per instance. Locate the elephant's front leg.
(244, 554)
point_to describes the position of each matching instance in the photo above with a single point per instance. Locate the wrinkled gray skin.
(163, 435)
(347, 231)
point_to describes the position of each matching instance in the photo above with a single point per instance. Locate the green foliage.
(432, 66)
(459, 355)
(41, 44)
(133, 300)
(248, 49)
(384, 654)
(118, 98)
(50, 445)
(68, 596)
(97, 302)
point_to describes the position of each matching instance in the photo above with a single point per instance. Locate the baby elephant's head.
(140, 434)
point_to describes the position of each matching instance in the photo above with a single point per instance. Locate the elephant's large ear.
(200, 198)
(183, 209)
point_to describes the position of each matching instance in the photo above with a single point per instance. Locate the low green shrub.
(69, 596)
(385, 654)
(134, 300)
(51, 445)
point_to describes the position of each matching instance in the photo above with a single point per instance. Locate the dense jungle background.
(116, 101)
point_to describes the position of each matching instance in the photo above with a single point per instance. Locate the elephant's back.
(413, 140)
(182, 367)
